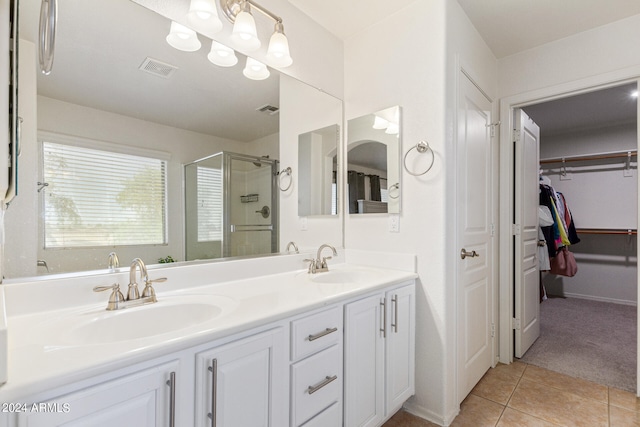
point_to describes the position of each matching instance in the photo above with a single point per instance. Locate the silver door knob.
(464, 254)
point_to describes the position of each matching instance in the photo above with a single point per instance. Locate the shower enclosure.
(231, 206)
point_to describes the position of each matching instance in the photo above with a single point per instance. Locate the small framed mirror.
(373, 162)
(318, 166)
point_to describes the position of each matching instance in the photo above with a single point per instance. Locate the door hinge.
(515, 324)
(493, 330)
(492, 229)
(516, 135)
(492, 128)
(515, 229)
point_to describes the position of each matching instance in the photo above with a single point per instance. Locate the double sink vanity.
(222, 346)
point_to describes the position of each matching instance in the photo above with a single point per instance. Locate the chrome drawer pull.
(313, 388)
(171, 382)
(214, 390)
(322, 334)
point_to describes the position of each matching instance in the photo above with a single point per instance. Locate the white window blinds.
(102, 198)
(209, 204)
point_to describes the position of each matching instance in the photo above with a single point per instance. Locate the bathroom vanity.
(283, 349)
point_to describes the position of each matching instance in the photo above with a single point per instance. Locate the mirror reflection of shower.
(231, 204)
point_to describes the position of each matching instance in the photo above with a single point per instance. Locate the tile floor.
(521, 395)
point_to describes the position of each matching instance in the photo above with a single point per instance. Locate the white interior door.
(527, 278)
(474, 237)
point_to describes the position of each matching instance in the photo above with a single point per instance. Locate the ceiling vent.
(268, 109)
(158, 68)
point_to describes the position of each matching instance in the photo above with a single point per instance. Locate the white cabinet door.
(379, 345)
(364, 362)
(400, 348)
(143, 399)
(244, 383)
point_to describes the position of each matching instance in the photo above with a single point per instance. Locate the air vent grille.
(158, 68)
(268, 109)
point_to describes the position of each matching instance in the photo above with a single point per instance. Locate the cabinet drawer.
(330, 417)
(315, 332)
(316, 383)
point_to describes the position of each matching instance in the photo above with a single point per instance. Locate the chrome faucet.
(133, 292)
(319, 264)
(113, 262)
(294, 247)
(118, 301)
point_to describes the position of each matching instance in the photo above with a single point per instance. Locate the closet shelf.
(586, 157)
(622, 231)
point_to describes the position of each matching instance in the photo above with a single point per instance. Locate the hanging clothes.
(563, 231)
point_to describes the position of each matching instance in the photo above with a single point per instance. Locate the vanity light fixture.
(222, 55)
(203, 16)
(255, 70)
(244, 35)
(183, 38)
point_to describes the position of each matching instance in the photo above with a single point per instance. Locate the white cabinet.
(317, 369)
(143, 399)
(244, 383)
(379, 356)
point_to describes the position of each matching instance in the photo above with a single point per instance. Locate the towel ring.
(395, 186)
(287, 171)
(420, 147)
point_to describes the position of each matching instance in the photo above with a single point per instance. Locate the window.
(102, 198)
(209, 204)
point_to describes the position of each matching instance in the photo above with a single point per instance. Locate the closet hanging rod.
(599, 156)
(623, 231)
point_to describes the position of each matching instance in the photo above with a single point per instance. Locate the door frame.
(506, 256)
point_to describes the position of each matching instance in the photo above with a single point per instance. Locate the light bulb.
(255, 70)
(380, 123)
(634, 94)
(278, 51)
(222, 55)
(203, 16)
(183, 38)
(244, 35)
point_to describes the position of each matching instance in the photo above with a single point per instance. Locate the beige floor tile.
(624, 399)
(512, 418)
(404, 419)
(557, 406)
(582, 388)
(516, 368)
(619, 417)
(478, 412)
(496, 385)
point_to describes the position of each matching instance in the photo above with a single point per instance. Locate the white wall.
(406, 60)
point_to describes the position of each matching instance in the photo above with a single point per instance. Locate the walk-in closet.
(588, 157)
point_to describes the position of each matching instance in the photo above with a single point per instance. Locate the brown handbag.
(564, 263)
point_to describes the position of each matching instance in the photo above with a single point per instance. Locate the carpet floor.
(586, 339)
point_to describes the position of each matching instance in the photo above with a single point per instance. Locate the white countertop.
(42, 354)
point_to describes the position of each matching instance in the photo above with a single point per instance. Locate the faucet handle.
(324, 261)
(312, 265)
(116, 296)
(148, 290)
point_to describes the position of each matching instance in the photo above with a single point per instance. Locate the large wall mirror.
(373, 162)
(118, 90)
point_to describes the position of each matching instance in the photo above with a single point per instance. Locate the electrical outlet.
(394, 223)
(304, 224)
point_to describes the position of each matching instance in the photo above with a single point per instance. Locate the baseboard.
(424, 413)
(597, 298)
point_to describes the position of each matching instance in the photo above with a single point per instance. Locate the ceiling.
(100, 46)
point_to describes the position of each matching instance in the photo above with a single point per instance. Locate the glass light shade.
(255, 70)
(222, 55)
(392, 129)
(203, 16)
(183, 38)
(244, 35)
(380, 123)
(278, 51)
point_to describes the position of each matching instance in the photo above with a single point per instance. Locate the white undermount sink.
(168, 315)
